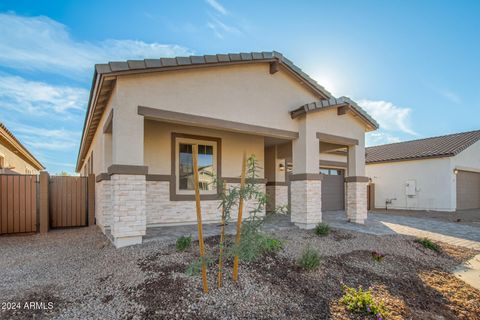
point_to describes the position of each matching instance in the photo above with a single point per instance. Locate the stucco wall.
(433, 183)
(242, 93)
(13, 160)
(158, 147)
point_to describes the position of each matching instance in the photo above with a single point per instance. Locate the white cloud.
(217, 6)
(39, 98)
(389, 116)
(42, 44)
(451, 96)
(380, 137)
(38, 138)
(220, 29)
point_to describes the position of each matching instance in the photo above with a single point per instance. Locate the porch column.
(356, 207)
(128, 177)
(306, 184)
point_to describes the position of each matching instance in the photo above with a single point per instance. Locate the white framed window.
(207, 165)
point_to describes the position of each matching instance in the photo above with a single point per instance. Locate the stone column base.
(277, 196)
(103, 204)
(357, 201)
(129, 221)
(306, 203)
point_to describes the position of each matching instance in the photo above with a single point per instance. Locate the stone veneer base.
(306, 202)
(357, 202)
(129, 221)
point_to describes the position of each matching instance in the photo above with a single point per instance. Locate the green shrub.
(183, 243)
(271, 245)
(360, 301)
(309, 259)
(195, 267)
(322, 229)
(377, 256)
(429, 244)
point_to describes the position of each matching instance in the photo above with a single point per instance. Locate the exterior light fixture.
(281, 167)
(455, 171)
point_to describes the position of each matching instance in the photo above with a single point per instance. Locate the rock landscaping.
(84, 277)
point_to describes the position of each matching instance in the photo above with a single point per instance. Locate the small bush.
(429, 244)
(360, 301)
(271, 245)
(183, 243)
(377, 256)
(195, 267)
(309, 260)
(322, 229)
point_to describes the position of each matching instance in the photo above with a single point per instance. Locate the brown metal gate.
(18, 203)
(68, 201)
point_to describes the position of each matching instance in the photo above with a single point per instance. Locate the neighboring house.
(14, 157)
(439, 173)
(144, 116)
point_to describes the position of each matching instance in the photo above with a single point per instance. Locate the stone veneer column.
(306, 200)
(356, 199)
(129, 221)
(103, 203)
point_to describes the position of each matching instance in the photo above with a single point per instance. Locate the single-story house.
(14, 157)
(144, 116)
(439, 173)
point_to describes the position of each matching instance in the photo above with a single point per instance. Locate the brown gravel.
(88, 279)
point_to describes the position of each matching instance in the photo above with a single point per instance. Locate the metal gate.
(18, 203)
(68, 201)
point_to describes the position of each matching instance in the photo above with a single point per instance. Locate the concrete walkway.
(384, 224)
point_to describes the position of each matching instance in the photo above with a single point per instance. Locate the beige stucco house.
(438, 173)
(14, 157)
(144, 116)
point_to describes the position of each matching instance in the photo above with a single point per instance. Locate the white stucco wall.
(434, 182)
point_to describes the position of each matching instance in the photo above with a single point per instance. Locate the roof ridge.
(428, 138)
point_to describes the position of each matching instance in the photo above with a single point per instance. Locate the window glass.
(324, 171)
(185, 161)
(206, 174)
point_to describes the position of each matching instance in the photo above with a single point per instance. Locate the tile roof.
(130, 65)
(435, 147)
(10, 137)
(333, 103)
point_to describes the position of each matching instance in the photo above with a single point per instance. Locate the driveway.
(383, 224)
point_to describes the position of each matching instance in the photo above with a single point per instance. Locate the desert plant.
(183, 243)
(377, 256)
(429, 244)
(195, 267)
(322, 229)
(271, 245)
(285, 209)
(361, 301)
(309, 259)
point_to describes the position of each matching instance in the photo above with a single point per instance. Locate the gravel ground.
(86, 278)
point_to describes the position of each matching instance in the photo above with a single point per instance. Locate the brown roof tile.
(435, 147)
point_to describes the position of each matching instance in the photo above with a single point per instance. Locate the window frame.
(189, 195)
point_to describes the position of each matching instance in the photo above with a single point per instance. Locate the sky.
(413, 65)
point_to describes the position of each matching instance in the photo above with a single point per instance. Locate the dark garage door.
(468, 190)
(333, 189)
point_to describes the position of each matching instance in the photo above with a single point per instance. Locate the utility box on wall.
(410, 188)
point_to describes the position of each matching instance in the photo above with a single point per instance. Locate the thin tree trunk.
(199, 218)
(222, 240)
(240, 212)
